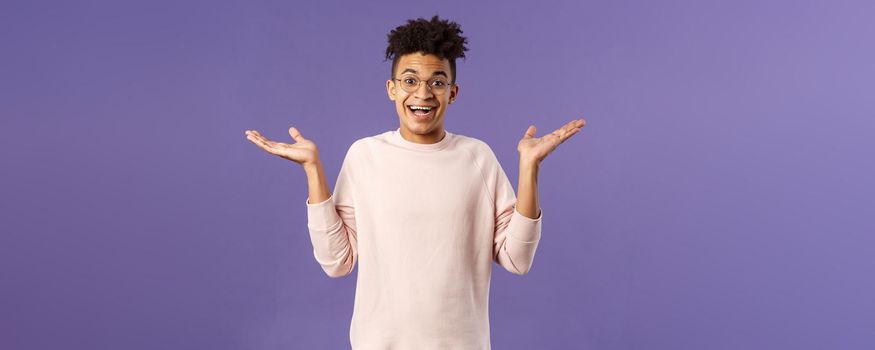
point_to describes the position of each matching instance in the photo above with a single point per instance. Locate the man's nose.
(422, 91)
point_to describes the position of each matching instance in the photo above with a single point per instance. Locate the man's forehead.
(422, 64)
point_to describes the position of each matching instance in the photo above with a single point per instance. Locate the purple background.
(720, 196)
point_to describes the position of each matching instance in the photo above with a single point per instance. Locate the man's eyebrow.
(437, 72)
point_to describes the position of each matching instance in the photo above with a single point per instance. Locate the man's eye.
(410, 81)
(438, 83)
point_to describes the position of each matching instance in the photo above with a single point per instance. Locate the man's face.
(423, 67)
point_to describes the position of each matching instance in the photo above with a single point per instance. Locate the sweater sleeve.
(332, 225)
(516, 235)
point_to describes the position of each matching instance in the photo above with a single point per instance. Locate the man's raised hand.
(534, 149)
(303, 151)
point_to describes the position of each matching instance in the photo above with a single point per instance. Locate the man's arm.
(516, 235)
(331, 220)
(317, 186)
(518, 220)
(527, 198)
(533, 150)
(330, 217)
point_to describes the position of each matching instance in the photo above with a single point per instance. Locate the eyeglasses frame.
(427, 85)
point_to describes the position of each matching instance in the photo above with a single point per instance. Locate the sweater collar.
(401, 141)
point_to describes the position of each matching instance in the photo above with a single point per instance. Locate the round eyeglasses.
(437, 85)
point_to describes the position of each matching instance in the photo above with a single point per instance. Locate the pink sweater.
(424, 222)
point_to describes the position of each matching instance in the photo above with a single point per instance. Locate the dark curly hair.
(441, 38)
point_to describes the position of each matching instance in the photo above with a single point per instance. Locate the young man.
(422, 210)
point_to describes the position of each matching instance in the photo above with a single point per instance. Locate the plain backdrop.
(719, 197)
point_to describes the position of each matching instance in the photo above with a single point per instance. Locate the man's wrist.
(529, 164)
(312, 166)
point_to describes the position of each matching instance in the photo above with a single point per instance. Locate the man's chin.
(420, 128)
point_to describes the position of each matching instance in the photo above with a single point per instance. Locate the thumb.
(296, 135)
(530, 132)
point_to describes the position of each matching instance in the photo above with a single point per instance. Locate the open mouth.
(421, 112)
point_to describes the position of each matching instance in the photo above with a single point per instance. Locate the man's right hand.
(303, 151)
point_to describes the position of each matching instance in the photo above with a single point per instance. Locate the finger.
(530, 132)
(273, 145)
(257, 139)
(252, 138)
(570, 133)
(264, 139)
(254, 134)
(263, 144)
(296, 135)
(565, 127)
(575, 124)
(559, 132)
(260, 140)
(563, 132)
(570, 125)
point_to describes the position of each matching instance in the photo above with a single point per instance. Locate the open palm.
(537, 148)
(303, 151)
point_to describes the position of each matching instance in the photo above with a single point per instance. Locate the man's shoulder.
(475, 145)
(469, 141)
(362, 146)
(368, 141)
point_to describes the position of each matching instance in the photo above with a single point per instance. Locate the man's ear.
(454, 92)
(390, 85)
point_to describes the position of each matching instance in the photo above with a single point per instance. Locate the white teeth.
(420, 107)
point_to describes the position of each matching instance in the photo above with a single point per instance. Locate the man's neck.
(434, 137)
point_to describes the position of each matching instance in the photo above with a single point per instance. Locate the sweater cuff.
(525, 229)
(322, 216)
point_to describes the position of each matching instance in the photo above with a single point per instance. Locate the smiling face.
(428, 128)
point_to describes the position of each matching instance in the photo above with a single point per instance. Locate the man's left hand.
(534, 149)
